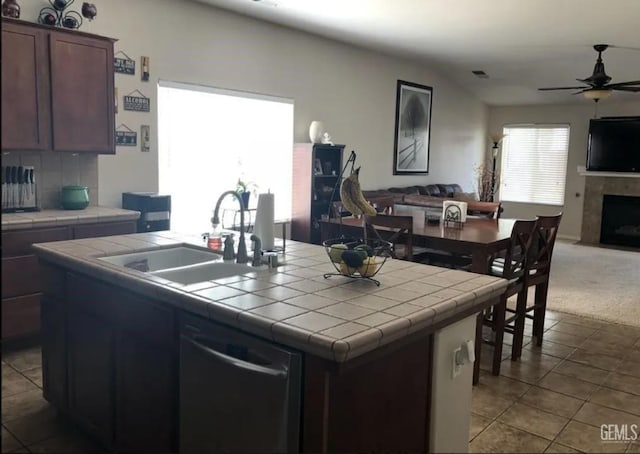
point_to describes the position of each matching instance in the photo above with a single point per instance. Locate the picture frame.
(317, 167)
(413, 129)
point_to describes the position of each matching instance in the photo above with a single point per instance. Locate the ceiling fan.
(597, 85)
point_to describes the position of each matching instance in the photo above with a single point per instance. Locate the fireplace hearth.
(620, 220)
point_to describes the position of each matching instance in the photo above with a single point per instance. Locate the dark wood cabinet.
(82, 100)
(316, 171)
(22, 284)
(119, 351)
(146, 395)
(90, 344)
(57, 90)
(54, 350)
(26, 111)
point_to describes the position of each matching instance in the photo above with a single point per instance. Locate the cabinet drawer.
(20, 276)
(107, 229)
(21, 315)
(15, 243)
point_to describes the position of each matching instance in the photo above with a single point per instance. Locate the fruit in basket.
(364, 247)
(335, 252)
(352, 198)
(347, 270)
(353, 259)
(369, 267)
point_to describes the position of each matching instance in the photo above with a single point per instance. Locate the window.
(534, 164)
(210, 137)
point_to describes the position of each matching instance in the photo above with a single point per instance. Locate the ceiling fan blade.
(623, 84)
(563, 88)
(634, 89)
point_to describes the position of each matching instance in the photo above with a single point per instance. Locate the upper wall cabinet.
(57, 90)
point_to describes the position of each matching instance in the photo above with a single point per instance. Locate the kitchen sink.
(163, 259)
(203, 272)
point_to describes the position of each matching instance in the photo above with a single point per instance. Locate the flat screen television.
(614, 144)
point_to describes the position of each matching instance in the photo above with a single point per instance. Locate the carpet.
(595, 282)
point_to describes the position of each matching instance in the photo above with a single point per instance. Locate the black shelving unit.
(316, 170)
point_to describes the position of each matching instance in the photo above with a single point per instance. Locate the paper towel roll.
(461, 205)
(263, 227)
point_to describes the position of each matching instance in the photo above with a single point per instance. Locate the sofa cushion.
(430, 189)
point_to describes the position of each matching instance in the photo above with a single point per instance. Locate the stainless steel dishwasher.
(237, 393)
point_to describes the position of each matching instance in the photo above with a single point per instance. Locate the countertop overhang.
(51, 218)
(337, 318)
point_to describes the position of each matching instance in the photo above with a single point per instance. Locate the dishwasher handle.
(276, 373)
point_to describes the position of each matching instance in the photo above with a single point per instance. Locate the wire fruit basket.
(357, 258)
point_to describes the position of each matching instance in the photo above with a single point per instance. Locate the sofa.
(431, 197)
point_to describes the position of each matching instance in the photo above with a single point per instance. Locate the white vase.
(316, 129)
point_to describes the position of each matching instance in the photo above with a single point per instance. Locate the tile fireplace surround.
(595, 188)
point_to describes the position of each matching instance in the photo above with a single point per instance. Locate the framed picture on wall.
(413, 129)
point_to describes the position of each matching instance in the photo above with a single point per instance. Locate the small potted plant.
(244, 189)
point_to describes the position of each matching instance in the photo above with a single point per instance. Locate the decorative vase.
(245, 198)
(316, 130)
(10, 8)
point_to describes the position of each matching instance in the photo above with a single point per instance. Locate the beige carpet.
(595, 282)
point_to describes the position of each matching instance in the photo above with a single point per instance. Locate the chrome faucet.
(241, 257)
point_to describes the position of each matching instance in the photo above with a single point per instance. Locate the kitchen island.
(377, 362)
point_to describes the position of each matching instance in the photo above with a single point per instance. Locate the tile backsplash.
(53, 170)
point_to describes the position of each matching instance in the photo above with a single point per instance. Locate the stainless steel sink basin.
(163, 259)
(203, 272)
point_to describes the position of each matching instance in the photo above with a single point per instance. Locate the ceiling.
(521, 44)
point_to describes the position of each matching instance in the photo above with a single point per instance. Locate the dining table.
(479, 238)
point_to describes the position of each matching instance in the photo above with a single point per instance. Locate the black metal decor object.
(58, 14)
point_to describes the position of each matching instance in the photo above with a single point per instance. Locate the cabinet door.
(54, 356)
(91, 371)
(25, 88)
(146, 393)
(82, 101)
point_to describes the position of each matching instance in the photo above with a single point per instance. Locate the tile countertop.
(336, 318)
(49, 218)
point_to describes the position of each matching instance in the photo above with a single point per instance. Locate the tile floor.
(554, 399)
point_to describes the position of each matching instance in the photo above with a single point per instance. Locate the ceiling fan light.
(596, 94)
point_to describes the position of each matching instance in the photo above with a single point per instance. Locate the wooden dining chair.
(489, 210)
(384, 205)
(398, 230)
(537, 275)
(513, 267)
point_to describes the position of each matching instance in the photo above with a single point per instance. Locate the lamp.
(596, 94)
(496, 138)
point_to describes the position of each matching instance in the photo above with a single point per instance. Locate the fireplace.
(620, 220)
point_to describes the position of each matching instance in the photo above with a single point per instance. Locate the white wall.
(577, 116)
(352, 90)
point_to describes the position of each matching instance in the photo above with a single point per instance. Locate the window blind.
(534, 164)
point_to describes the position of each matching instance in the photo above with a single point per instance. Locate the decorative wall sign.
(144, 75)
(125, 136)
(413, 127)
(124, 65)
(137, 103)
(145, 138)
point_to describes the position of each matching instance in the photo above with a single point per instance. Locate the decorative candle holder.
(58, 14)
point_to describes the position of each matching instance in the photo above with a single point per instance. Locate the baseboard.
(568, 237)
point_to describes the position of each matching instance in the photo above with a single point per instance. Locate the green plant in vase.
(244, 190)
